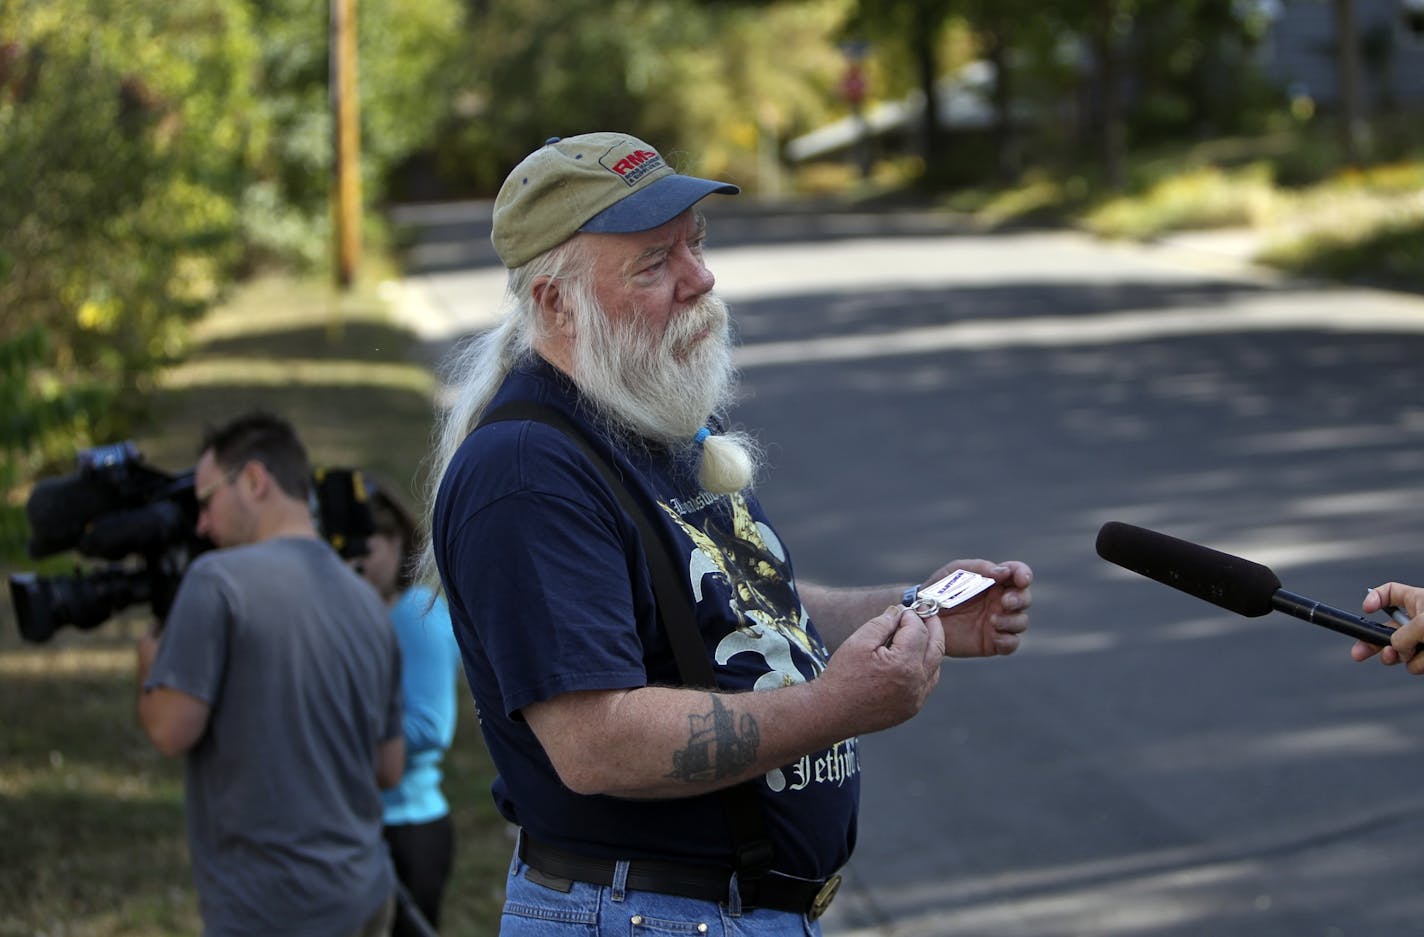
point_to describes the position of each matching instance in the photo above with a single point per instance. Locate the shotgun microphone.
(1235, 584)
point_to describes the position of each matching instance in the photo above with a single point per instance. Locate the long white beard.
(664, 389)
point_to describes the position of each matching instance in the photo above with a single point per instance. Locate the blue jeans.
(534, 910)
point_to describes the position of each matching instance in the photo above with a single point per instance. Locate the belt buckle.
(823, 898)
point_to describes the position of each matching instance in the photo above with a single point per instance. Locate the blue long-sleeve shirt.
(430, 660)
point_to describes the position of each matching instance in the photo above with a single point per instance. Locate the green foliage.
(715, 85)
(1359, 225)
(37, 417)
(1390, 254)
(1202, 198)
(541, 68)
(121, 153)
(1039, 197)
(1178, 67)
(756, 78)
(155, 152)
(18, 430)
(408, 73)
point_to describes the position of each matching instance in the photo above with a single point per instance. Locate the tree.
(152, 153)
(1108, 21)
(1023, 44)
(1347, 69)
(121, 155)
(919, 25)
(411, 58)
(718, 81)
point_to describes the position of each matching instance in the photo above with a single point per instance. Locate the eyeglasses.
(203, 497)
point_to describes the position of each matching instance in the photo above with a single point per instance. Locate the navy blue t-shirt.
(549, 593)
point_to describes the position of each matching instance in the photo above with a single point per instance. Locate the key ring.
(925, 606)
(958, 587)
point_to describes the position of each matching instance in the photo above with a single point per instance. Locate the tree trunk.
(1110, 128)
(1006, 144)
(926, 30)
(1347, 58)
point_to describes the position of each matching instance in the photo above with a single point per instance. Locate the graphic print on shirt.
(751, 561)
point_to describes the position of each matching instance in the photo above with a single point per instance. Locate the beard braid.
(646, 388)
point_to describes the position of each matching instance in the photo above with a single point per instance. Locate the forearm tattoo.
(719, 745)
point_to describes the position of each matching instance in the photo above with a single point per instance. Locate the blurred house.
(1298, 53)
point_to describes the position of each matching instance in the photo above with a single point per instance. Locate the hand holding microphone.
(1405, 604)
(1246, 588)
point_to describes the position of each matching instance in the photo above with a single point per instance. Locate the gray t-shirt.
(296, 656)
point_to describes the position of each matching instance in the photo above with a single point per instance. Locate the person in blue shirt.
(418, 828)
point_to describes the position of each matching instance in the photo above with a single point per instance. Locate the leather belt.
(772, 891)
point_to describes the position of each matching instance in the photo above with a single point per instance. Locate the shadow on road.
(1147, 764)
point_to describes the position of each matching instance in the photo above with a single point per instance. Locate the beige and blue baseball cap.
(604, 183)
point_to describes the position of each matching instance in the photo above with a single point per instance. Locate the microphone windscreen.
(1235, 584)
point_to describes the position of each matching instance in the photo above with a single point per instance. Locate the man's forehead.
(207, 465)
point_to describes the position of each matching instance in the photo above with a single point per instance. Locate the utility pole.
(346, 141)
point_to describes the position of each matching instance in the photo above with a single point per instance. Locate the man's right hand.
(1401, 648)
(628, 742)
(147, 648)
(884, 672)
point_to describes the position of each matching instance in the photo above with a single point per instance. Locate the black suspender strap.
(673, 605)
(744, 814)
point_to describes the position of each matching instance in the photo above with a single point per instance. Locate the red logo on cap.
(632, 161)
(635, 165)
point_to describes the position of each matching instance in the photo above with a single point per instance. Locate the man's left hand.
(990, 623)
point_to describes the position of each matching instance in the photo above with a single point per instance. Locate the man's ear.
(554, 315)
(256, 478)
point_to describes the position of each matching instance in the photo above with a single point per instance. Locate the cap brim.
(656, 204)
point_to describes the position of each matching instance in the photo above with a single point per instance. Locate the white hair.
(479, 366)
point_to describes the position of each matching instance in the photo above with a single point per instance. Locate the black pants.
(422, 854)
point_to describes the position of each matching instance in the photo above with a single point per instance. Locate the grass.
(1313, 215)
(91, 818)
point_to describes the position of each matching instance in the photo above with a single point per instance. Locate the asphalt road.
(1147, 764)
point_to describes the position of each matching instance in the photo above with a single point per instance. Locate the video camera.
(142, 520)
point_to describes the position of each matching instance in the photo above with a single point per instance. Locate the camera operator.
(277, 673)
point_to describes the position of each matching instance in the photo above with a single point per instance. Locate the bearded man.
(639, 798)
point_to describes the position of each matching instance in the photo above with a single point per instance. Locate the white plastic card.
(955, 589)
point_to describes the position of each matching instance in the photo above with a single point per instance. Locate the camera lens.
(43, 606)
(30, 596)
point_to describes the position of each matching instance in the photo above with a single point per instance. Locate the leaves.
(155, 152)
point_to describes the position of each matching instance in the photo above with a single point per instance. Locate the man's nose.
(696, 279)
